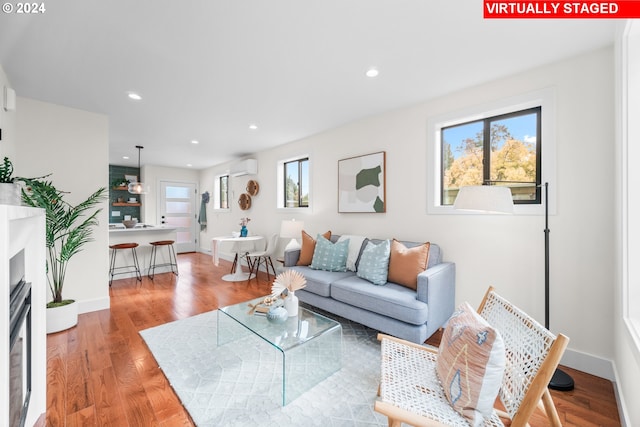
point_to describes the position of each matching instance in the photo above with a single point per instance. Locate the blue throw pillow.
(374, 262)
(330, 256)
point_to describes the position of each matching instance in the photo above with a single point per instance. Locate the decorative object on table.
(277, 314)
(291, 281)
(265, 305)
(137, 187)
(244, 201)
(361, 183)
(253, 187)
(243, 226)
(291, 230)
(67, 231)
(130, 223)
(202, 217)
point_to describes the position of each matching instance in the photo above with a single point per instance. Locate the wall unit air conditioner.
(244, 167)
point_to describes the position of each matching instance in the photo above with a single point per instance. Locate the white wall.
(73, 146)
(7, 123)
(152, 176)
(504, 251)
(627, 356)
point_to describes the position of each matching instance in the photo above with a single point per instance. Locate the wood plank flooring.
(101, 373)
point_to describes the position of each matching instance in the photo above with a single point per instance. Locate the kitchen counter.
(119, 228)
(142, 234)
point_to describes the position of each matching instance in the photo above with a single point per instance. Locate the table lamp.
(291, 230)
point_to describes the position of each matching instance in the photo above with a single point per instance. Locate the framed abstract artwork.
(361, 183)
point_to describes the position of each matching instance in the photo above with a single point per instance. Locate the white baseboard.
(589, 363)
(87, 306)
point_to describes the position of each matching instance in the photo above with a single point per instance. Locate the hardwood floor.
(101, 373)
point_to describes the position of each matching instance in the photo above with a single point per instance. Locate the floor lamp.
(561, 380)
(498, 199)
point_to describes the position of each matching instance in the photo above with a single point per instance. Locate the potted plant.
(68, 229)
(9, 188)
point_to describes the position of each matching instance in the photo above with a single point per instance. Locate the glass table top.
(284, 335)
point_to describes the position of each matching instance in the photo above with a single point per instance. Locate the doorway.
(178, 209)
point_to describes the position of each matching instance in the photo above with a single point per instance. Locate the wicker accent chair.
(410, 390)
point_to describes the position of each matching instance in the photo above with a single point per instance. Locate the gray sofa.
(393, 309)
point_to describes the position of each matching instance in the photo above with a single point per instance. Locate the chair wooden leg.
(550, 409)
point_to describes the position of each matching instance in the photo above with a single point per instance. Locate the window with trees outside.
(296, 183)
(498, 150)
(222, 192)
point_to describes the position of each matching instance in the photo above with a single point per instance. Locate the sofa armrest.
(437, 287)
(291, 257)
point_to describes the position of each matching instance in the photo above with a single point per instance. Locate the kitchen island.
(142, 234)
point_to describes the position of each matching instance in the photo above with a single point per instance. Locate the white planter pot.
(10, 194)
(61, 318)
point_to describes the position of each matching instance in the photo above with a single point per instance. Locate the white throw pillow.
(355, 244)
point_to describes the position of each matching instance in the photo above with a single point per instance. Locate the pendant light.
(137, 187)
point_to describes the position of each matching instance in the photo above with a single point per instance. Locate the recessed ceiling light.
(189, 165)
(125, 157)
(193, 141)
(253, 126)
(134, 96)
(372, 72)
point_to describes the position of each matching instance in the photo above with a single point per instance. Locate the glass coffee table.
(310, 344)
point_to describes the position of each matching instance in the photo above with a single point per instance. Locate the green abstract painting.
(361, 183)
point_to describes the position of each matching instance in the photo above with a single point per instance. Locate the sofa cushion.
(319, 281)
(471, 363)
(406, 263)
(374, 262)
(330, 256)
(392, 300)
(355, 249)
(308, 247)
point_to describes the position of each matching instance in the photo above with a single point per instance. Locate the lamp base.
(292, 245)
(561, 381)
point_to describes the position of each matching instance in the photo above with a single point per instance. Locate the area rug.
(238, 384)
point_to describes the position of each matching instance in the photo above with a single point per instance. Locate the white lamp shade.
(485, 198)
(291, 229)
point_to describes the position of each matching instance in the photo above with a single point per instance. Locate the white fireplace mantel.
(24, 228)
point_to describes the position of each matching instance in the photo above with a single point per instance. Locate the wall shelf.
(125, 204)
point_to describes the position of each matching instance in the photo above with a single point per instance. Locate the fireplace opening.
(19, 342)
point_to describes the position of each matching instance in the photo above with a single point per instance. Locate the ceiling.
(208, 69)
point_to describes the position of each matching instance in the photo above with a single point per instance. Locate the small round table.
(237, 275)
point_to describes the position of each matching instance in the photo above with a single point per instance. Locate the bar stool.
(135, 267)
(173, 261)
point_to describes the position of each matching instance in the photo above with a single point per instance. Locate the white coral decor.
(290, 280)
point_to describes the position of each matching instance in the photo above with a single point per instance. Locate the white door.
(178, 209)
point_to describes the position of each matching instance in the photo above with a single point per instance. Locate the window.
(296, 184)
(497, 150)
(293, 183)
(221, 192)
(509, 142)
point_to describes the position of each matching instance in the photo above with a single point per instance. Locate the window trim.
(544, 98)
(280, 193)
